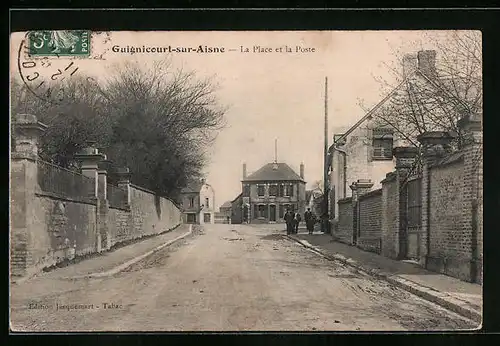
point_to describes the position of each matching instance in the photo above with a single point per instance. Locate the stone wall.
(57, 214)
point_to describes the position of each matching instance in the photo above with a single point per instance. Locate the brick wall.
(343, 228)
(450, 245)
(370, 221)
(390, 217)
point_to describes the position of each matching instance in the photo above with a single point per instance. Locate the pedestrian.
(296, 220)
(310, 220)
(289, 221)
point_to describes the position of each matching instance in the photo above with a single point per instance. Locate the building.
(237, 210)
(364, 150)
(198, 200)
(224, 213)
(270, 191)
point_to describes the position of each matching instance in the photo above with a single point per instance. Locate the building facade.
(237, 210)
(198, 200)
(270, 191)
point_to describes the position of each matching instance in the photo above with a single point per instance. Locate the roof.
(369, 114)
(193, 186)
(226, 204)
(283, 172)
(236, 198)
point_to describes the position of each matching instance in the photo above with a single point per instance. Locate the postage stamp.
(59, 43)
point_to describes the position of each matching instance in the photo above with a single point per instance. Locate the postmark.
(45, 77)
(58, 43)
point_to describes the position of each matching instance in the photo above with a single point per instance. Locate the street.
(227, 278)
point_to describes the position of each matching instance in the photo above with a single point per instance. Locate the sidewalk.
(112, 262)
(459, 296)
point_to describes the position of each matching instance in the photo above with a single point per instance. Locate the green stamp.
(59, 43)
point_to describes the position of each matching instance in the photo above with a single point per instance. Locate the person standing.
(296, 221)
(289, 221)
(309, 218)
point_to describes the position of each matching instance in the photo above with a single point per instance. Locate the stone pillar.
(123, 181)
(89, 158)
(103, 234)
(434, 145)
(405, 158)
(472, 212)
(24, 173)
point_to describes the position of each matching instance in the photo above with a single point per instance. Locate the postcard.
(245, 181)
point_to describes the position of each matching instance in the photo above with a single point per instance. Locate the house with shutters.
(270, 191)
(197, 202)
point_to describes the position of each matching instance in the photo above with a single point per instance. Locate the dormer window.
(275, 166)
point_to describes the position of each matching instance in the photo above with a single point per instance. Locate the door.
(414, 219)
(191, 218)
(272, 213)
(207, 218)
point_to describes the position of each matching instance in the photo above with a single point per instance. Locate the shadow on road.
(273, 237)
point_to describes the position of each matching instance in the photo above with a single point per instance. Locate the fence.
(63, 182)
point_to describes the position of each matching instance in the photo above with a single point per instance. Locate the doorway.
(272, 213)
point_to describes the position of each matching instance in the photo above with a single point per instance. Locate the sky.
(268, 95)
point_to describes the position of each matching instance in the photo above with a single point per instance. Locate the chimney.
(302, 170)
(244, 171)
(427, 63)
(410, 64)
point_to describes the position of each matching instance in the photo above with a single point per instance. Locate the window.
(191, 202)
(207, 202)
(260, 190)
(289, 190)
(273, 190)
(382, 144)
(281, 190)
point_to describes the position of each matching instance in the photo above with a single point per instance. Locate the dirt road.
(227, 278)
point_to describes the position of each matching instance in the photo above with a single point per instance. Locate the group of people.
(293, 219)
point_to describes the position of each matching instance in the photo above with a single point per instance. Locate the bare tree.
(436, 97)
(155, 120)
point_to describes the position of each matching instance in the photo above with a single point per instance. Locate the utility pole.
(326, 221)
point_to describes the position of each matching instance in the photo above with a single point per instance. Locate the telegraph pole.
(326, 227)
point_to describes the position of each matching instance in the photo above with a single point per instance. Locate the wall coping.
(345, 200)
(370, 194)
(153, 193)
(389, 177)
(83, 200)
